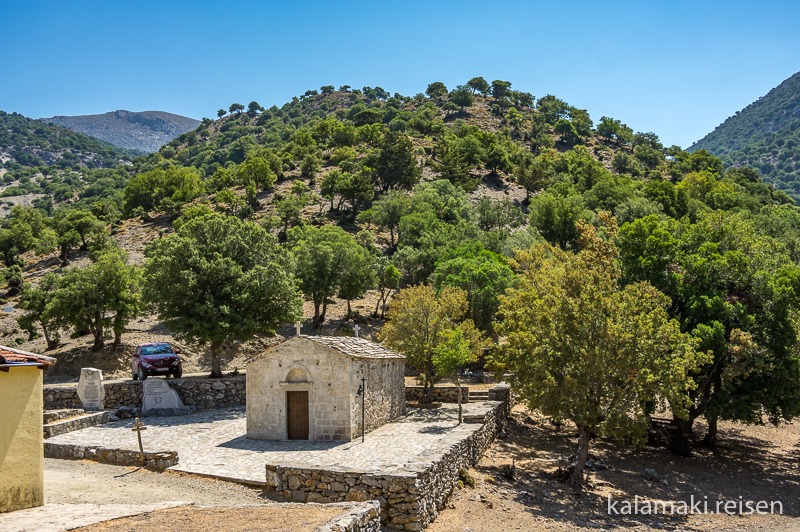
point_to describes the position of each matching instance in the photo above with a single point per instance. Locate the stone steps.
(51, 416)
(64, 426)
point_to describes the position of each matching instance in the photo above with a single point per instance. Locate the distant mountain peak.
(145, 131)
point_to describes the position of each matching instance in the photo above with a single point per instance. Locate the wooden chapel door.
(297, 415)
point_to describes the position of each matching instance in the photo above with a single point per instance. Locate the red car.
(158, 358)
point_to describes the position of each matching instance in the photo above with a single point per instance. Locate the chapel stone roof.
(355, 347)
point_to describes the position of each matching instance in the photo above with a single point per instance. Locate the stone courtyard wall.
(439, 394)
(158, 461)
(201, 393)
(409, 500)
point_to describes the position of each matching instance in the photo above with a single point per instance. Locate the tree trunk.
(710, 439)
(324, 311)
(52, 340)
(315, 322)
(582, 455)
(119, 328)
(679, 442)
(378, 304)
(458, 392)
(427, 387)
(349, 312)
(97, 332)
(216, 367)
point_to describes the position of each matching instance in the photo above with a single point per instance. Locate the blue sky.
(676, 68)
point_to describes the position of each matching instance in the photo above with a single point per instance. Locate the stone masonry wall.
(440, 394)
(359, 517)
(158, 460)
(409, 500)
(385, 398)
(199, 392)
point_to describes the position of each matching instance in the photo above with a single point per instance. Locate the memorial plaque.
(159, 399)
(90, 389)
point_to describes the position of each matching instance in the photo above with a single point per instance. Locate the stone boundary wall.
(158, 461)
(360, 517)
(410, 500)
(440, 394)
(201, 393)
(76, 423)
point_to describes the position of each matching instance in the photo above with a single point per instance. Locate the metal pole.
(363, 398)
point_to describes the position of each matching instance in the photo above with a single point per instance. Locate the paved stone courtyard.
(212, 443)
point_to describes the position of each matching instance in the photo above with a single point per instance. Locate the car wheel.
(142, 374)
(177, 372)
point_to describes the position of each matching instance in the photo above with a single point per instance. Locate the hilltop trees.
(220, 279)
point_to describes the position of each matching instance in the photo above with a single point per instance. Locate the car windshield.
(163, 349)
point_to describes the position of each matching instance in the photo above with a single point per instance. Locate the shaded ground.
(756, 463)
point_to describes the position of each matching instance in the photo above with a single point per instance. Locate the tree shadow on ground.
(741, 466)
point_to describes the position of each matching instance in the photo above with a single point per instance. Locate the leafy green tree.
(396, 164)
(736, 291)
(479, 84)
(552, 109)
(497, 158)
(533, 173)
(388, 280)
(567, 131)
(358, 275)
(501, 89)
(236, 108)
(463, 97)
(162, 188)
(555, 215)
(35, 300)
(459, 347)
(583, 348)
(220, 279)
(323, 256)
(106, 295)
(221, 113)
(419, 324)
(253, 108)
(388, 210)
(437, 89)
(482, 274)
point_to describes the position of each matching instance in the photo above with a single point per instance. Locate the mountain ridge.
(145, 131)
(764, 135)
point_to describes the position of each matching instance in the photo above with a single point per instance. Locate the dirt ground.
(755, 463)
(269, 518)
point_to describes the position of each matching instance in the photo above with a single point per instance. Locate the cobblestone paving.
(212, 443)
(59, 517)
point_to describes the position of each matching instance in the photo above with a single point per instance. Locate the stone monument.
(90, 389)
(158, 399)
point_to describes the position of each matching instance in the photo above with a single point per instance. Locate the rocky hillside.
(145, 131)
(25, 142)
(765, 135)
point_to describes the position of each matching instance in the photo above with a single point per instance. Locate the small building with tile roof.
(307, 388)
(21, 437)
